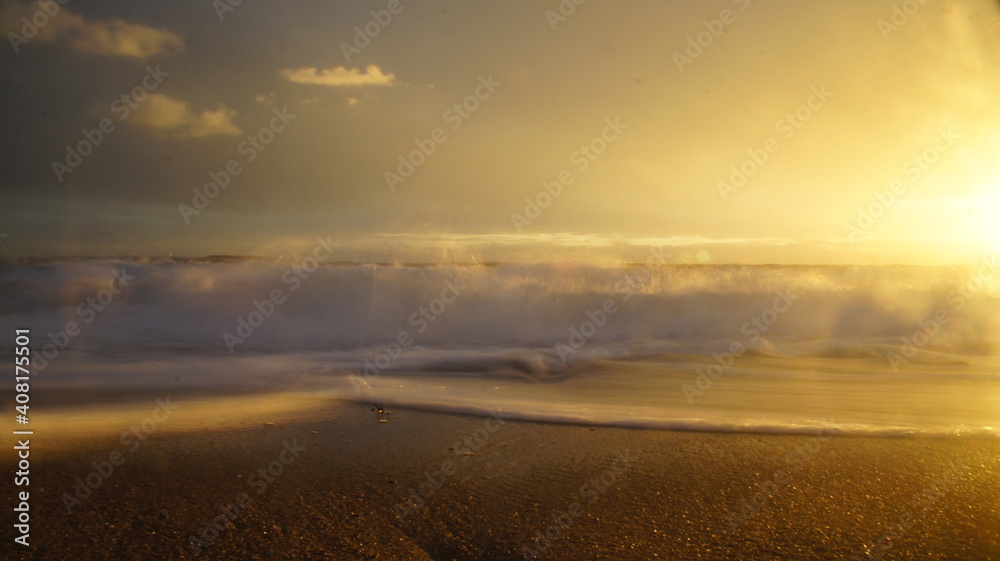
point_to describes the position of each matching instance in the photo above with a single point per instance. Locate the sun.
(985, 211)
(978, 218)
(993, 232)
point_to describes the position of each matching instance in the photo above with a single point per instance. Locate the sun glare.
(986, 209)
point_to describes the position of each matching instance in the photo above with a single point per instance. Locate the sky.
(726, 131)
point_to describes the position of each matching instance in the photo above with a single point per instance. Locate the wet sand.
(423, 485)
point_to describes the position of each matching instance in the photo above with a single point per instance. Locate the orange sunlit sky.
(860, 131)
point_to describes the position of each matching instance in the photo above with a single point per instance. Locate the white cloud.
(587, 240)
(119, 38)
(103, 37)
(266, 99)
(174, 118)
(339, 76)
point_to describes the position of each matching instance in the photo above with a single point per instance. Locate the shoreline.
(75, 420)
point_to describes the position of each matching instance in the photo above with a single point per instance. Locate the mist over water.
(874, 350)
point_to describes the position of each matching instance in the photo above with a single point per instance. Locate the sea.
(893, 351)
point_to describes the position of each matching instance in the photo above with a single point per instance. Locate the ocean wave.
(883, 351)
(281, 306)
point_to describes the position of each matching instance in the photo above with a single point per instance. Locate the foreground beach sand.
(424, 485)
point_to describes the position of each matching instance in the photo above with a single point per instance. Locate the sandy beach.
(500, 281)
(335, 483)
